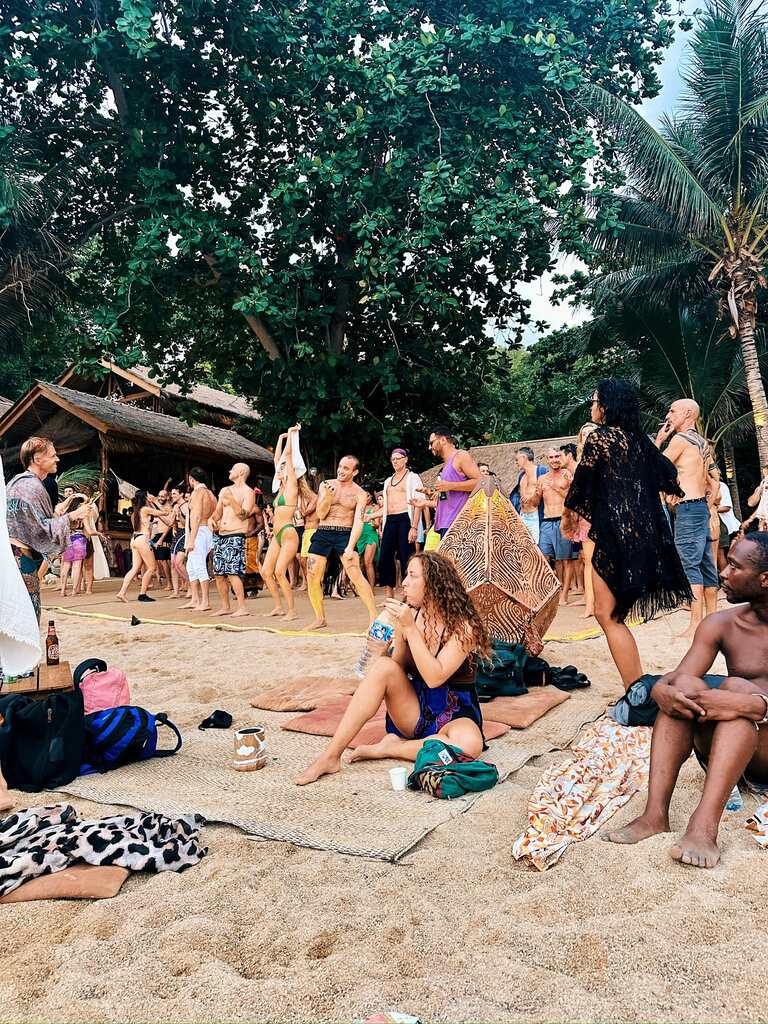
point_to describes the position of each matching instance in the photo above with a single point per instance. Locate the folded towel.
(20, 644)
(299, 464)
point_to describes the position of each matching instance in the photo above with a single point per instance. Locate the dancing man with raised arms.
(340, 511)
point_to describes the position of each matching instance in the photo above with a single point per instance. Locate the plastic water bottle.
(735, 801)
(376, 642)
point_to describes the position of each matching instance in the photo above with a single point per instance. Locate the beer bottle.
(51, 645)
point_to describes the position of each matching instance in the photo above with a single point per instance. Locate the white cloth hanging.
(299, 465)
(21, 648)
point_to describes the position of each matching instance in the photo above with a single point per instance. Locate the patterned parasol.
(508, 578)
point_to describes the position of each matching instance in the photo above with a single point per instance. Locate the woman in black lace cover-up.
(617, 488)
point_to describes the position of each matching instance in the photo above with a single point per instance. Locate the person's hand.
(674, 702)
(429, 492)
(665, 431)
(189, 547)
(412, 535)
(441, 486)
(77, 515)
(348, 555)
(401, 613)
(569, 524)
(722, 706)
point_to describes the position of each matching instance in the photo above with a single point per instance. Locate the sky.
(539, 291)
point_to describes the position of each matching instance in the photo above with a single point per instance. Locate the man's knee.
(735, 684)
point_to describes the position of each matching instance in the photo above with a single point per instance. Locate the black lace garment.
(616, 488)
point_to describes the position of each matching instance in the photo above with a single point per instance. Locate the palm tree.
(32, 254)
(679, 353)
(692, 220)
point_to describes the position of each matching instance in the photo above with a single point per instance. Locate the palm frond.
(654, 165)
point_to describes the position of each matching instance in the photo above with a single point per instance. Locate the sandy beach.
(456, 932)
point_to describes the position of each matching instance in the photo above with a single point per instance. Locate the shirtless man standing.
(199, 540)
(693, 457)
(340, 510)
(552, 489)
(230, 523)
(527, 488)
(723, 721)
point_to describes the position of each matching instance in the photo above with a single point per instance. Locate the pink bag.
(103, 690)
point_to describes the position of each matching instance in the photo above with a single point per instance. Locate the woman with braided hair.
(428, 682)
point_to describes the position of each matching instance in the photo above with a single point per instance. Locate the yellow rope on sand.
(229, 627)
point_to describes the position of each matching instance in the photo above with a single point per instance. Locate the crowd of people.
(639, 524)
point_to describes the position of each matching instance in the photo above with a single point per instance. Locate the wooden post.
(104, 477)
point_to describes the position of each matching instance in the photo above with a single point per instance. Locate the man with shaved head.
(695, 461)
(230, 521)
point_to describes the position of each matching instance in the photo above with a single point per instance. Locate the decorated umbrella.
(511, 583)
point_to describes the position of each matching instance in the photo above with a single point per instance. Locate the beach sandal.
(218, 720)
(250, 749)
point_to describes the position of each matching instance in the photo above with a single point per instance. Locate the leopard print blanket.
(41, 840)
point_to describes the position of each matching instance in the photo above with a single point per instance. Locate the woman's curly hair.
(445, 597)
(621, 406)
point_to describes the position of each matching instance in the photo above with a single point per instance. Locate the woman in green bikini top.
(285, 538)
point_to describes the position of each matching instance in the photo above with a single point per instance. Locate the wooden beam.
(133, 395)
(139, 382)
(19, 409)
(73, 410)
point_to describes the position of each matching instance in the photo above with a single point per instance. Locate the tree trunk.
(256, 324)
(752, 372)
(730, 475)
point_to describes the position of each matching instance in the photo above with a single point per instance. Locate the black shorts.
(324, 541)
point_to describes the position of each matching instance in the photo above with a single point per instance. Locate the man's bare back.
(691, 465)
(201, 506)
(530, 498)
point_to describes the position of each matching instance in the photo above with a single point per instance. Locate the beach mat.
(522, 711)
(324, 721)
(305, 693)
(355, 812)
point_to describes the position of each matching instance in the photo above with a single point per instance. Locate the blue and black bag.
(120, 736)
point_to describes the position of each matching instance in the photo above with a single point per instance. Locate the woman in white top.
(760, 498)
(400, 521)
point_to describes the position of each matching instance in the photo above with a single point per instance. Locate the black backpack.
(41, 741)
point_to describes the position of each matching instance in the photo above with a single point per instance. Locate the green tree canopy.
(330, 203)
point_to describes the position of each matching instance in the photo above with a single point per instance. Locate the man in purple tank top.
(456, 481)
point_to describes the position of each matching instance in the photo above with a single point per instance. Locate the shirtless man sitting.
(724, 723)
(199, 540)
(695, 462)
(552, 489)
(340, 509)
(230, 523)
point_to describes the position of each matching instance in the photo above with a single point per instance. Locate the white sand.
(267, 931)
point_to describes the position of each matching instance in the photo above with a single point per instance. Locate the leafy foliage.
(328, 203)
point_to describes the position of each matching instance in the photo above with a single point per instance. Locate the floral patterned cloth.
(758, 825)
(571, 802)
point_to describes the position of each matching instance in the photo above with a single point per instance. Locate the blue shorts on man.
(693, 542)
(552, 543)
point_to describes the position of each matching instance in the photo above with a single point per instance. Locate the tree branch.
(256, 324)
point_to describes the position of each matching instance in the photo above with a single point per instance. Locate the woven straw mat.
(355, 812)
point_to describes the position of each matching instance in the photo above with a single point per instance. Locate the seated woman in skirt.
(428, 683)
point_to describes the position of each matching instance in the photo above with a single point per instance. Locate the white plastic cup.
(398, 778)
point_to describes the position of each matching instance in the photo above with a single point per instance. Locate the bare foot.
(580, 601)
(386, 747)
(588, 613)
(275, 612)
(324, 765)
(697, 849)
(241, 613)
(563, 599)
(203, 608)
(636, 831)
(317, 624)
(221, 611)
(122, 597)
(290, 616)
(190, 606)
